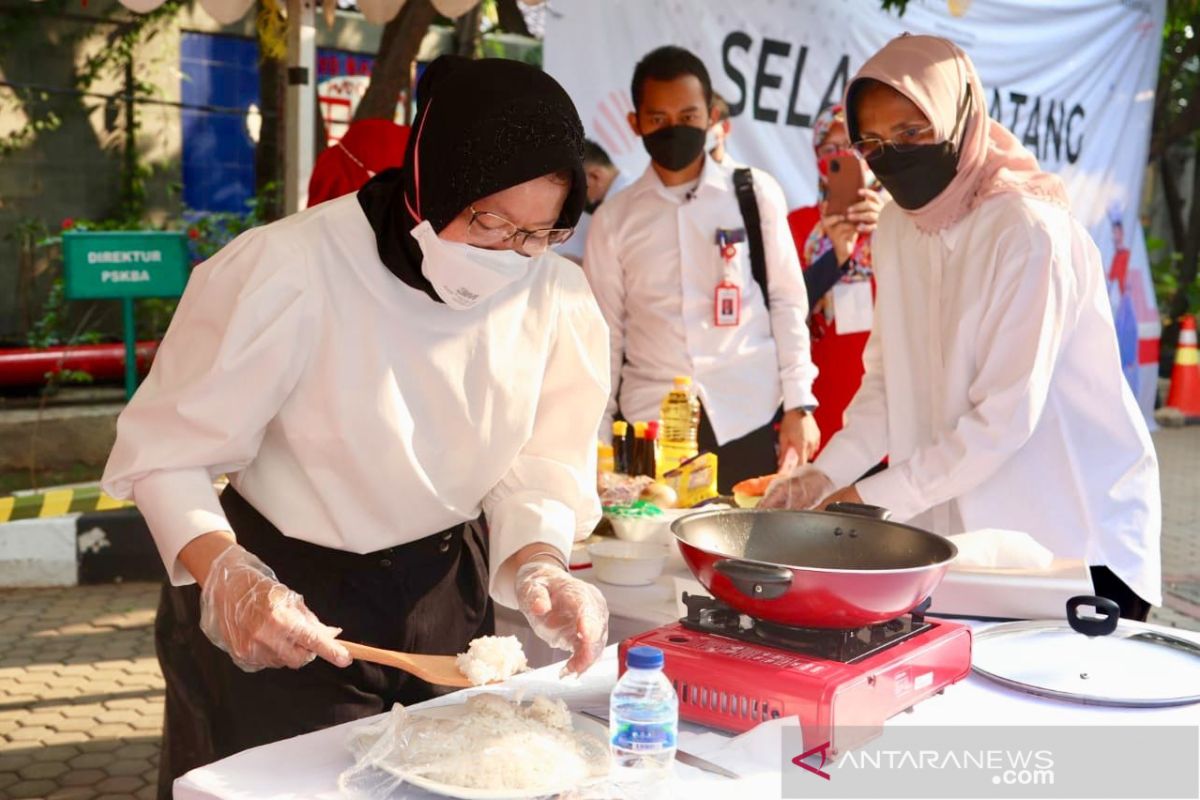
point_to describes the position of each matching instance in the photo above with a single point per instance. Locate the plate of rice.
(488, 748)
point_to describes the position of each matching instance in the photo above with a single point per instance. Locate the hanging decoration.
(454, 8)
(380, 12)
(142, 6)
(226, 12)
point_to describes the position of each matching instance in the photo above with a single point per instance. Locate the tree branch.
(510, 17)
(466, 32)
(1179, 128)
(1174, 202)
(1167, 130)
(398, 49)
(1181, 300)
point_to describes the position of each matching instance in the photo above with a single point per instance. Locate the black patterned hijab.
(481, 126)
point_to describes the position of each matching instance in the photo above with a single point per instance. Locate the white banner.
(1074, 79)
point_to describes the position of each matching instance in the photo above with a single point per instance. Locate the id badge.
(853, 307)
(728, 305)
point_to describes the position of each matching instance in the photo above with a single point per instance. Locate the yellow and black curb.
(57, 502)
(69, 536)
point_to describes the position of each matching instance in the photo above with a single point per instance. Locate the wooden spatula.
(438, 670)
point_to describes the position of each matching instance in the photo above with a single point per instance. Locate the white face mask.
(463, 275)
(712, 139)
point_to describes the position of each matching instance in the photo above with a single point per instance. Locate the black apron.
(428, 596)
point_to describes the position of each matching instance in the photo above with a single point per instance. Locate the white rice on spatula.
(492, 658)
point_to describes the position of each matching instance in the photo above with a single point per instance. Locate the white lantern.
(380, 12)
(454, 8)
(142, 6)
(226, 12)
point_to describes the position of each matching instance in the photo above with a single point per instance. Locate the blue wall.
(218, 153)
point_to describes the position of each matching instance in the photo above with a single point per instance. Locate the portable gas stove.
(732, 671)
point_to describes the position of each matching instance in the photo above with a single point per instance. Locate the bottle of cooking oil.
(679, 435)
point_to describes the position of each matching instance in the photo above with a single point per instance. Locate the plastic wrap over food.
(621, 490)
(487, 744)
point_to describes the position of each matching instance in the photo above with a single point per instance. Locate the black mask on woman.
(675, 147)
(915, 177)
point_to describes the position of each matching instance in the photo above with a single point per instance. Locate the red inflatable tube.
(104, 362)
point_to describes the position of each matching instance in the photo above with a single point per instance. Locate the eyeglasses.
(830, 148)
(905, 141)
(487, 230)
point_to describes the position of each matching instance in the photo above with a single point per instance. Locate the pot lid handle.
(1103, 625)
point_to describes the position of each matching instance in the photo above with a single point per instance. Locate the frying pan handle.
(756, 581)
(1109, 612)
(859, 509)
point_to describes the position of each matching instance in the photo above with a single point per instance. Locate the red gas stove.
(732, 671)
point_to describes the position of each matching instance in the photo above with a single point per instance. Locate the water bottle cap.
(644, 657)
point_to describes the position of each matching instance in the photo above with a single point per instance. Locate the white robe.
(994, 385)
(354, 412)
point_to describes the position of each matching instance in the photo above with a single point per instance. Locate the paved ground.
(1179, 454)
(80, 693)
(81, 696)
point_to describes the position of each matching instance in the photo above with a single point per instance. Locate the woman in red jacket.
(835, 252)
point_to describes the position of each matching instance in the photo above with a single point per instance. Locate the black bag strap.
(743, 184)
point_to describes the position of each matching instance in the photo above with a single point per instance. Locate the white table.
(308, 766)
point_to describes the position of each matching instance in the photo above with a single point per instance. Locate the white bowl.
(628, 563)
(648, 529)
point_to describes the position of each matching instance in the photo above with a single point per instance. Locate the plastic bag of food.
(621, 490)
(487, 743)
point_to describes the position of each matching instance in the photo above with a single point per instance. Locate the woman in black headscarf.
(373, 374)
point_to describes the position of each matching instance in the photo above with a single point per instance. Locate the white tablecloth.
(308, 766)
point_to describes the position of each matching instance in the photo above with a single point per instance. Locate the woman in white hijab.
(993, 382)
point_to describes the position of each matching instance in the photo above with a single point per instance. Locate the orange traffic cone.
(1185, 377)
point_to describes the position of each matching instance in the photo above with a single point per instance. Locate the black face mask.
(915, 177)
(675, 147)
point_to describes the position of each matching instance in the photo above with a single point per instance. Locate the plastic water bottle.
(643, 725)
(680, 433)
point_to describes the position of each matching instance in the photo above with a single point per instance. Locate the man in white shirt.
(669, 261)
(603, 179)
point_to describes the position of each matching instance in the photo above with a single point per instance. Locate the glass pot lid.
(1094, 660)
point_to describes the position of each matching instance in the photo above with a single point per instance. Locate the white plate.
(580, 723)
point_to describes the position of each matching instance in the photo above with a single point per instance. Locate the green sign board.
(101, 265)
(124, 265)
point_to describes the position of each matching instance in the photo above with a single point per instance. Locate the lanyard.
(727, 299)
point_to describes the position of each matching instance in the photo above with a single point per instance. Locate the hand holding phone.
(844, 180)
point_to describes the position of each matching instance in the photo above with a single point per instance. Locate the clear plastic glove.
(260, 622)
(802, 489)
(564, 612)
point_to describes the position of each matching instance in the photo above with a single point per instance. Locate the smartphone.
(843, 183)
